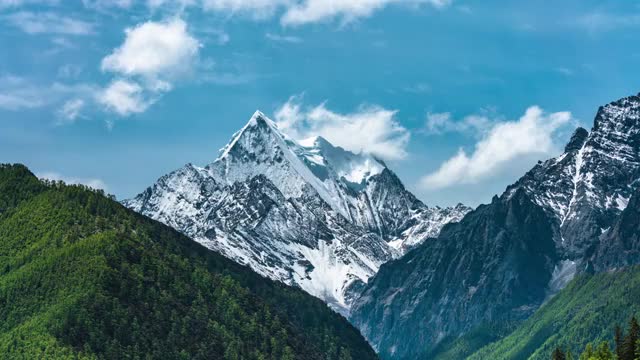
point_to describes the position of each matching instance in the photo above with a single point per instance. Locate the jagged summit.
(257, 121)
(306, 213)
(577, 140)
(588, 185)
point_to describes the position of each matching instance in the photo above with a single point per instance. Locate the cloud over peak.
(503, 143)
(371, 128)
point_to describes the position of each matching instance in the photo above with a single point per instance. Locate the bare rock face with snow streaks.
(305, 213)
(587, 187)
(576, 212)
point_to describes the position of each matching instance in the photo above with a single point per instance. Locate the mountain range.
(306, 213)
(502, 261)
(418, 281)
(285, 227)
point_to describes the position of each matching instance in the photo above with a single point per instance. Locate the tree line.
(627, 346)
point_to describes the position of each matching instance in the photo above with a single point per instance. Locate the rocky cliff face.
(504, 259)
(619, 245)
(493, 266)
(586, 188)
(305, 213)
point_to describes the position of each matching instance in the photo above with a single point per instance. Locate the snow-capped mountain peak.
(306, 213)
(355, 168)
(256, 119)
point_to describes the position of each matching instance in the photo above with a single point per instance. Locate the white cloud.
(503, 143)
(48, 23)
(155, 50)
(214, 35)
(124, 98)
(152, 57)
(311, 11)
(371, 129)
(255, 8)
(298, 12)
(439, 123)
(283, 38)
(69, 71)
(18, 3)
(70, 111)
(16, 102)
(17, 93)
(93, 183)
(104, 4)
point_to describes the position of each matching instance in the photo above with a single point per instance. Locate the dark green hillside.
(82, 277)
(587, 310)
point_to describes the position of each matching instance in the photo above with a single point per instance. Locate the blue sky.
(459, 97)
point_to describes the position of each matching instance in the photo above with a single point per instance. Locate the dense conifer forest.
(82, 277)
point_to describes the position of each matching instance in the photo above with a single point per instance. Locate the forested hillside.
(83, 277)
(586, 311)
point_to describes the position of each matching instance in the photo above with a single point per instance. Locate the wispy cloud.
(213, 35)
(283, 38)
(69, 71)
(67, 102)
(70, 111)
(599, 21)
(563, 71)
(17, 3)
(48, 23)
(91, 182)
(439, 123)
(370, 128)
(504, 143)
(299, 12)
(419, 88)
(312, 11)
(14, 102)
(104, 4)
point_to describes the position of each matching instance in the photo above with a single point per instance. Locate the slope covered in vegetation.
(587, 310)
(83, 277)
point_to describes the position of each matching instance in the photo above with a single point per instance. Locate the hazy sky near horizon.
(459, 98)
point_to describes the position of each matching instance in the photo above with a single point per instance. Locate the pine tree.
(345, 354)
(569, 355)
(619, 338)
(603, 352)
(588, 353)
(630, 341)
(558, 354)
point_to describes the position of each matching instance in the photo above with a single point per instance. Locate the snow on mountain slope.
(587, 187)
(308, 214)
